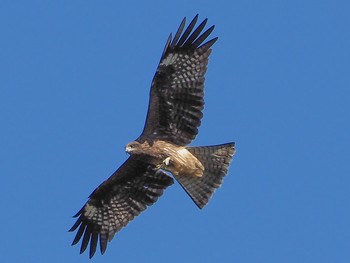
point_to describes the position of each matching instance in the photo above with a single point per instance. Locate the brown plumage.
(173, 117)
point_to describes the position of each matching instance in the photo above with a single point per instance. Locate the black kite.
(174, 115)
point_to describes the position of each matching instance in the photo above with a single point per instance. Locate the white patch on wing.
(89, 211)
(170, 59)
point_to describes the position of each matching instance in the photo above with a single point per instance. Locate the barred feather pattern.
(128, 192)
(176, 97)
(174, 115)
(215, 160)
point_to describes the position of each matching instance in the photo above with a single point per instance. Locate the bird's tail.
(215, 160)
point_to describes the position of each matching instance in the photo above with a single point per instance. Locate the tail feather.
(215, 160)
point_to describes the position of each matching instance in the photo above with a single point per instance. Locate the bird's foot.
(166, 161)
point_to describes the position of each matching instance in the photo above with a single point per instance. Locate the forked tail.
(215, 160)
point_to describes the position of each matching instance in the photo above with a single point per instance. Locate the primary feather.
(177, 92)
(173, 117)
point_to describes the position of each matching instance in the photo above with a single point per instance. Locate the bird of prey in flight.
(174, 114)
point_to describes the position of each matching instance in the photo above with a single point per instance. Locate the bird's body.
(174, 115)
(167, 156)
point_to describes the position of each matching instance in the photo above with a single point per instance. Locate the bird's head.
(133, 147)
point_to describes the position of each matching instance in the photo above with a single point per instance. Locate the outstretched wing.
(176, 96)
(133, 187)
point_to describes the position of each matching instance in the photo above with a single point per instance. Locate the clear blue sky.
(74, 83)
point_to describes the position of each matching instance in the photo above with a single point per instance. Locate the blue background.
(74, 83)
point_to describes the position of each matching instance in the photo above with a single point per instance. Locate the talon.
(166, 161)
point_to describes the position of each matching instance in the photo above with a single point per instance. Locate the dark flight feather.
(133, 187)
(177, 92)
(174, 115)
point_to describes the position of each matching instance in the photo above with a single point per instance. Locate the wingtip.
(215, 39)
(91, 254)
(82, 249)
(79, 212)
(74, 242)
(103, 250)
(168, 42)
